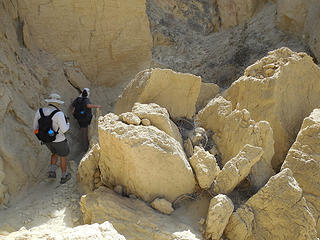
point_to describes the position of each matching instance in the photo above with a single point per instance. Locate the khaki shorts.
(59, 148)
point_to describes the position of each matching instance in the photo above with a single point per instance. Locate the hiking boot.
(52, 174)
(66, 178)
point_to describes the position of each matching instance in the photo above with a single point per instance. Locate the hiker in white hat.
(49, 125)
(81, 110)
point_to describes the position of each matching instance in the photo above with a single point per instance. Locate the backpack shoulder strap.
(53, 113)
(41, 112)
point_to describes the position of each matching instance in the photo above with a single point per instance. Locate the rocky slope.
(152, 171)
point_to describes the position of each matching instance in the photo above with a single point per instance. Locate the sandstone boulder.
(205, 167)
(303, 160)
(162, 205)
(143, 159)
(110, 40)
(277, 211)
(177, 92)
(133, 218)
(233, 130)
(283, 99)
(103, 231)
(219, 212)
(87, 169)
(207, 92)
(158, 117)
(237, 169)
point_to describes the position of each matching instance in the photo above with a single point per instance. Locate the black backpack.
(45, 132)
(80, 109)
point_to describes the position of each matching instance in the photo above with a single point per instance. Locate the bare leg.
(63, 164)
(85, 141)
(54, 159)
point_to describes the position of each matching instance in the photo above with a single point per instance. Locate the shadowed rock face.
(188, 36)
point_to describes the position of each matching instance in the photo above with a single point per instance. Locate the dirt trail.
(48, 206)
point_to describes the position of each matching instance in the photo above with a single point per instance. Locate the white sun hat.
(54, 98)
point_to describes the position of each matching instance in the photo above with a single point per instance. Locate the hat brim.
(54, 101)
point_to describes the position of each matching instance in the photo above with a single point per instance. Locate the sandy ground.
(48, 205)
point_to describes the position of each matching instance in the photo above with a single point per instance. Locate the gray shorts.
(59, 148)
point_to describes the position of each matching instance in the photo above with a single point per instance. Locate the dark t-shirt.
(85, 102)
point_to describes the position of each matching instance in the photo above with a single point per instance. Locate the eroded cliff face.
(216, 40)
(25, 80)
(110, 39)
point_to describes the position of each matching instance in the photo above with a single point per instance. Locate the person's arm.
(63, 125)
(93, 106)
(35, 120)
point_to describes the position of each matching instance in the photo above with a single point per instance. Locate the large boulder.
(158, 117)
(110, 40)
(143, 159)
(237, 169)
(277, 211)
(303, 160)
(281, 88)
(103, 231)
(177, 92)
(205, 167)
(219, 212)
(133, 218)
(233, 130)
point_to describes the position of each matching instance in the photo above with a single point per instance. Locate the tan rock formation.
(162, 205)
(292, 15)
(205, 167)
(177, 92)
(130, 118)
(207, 92)
(143, 159)
(233, 12)
(301, 18)
(277, 211)
(87, 169)
(233, 130)
(237, 169)
(133, 218)
(110, 40)
(303, 160)
(103, 231)
(219, 212)
(283, 99)
(25, 80)
(158, 117)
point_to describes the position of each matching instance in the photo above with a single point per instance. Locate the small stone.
(145, 122)
(269, 72)
(162, 205)
(118, 189)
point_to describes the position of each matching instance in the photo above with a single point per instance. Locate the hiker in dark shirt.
(81, 110)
